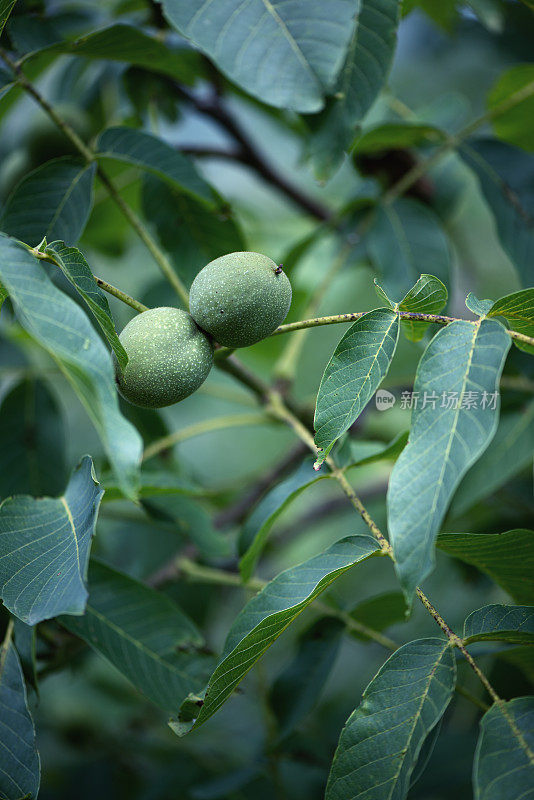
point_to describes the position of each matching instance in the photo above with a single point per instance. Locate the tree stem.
(438, 319)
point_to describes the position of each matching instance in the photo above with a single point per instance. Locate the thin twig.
(248, 154)
(335, 319)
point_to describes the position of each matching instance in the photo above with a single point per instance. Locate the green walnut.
(169, 357)
(240, 298)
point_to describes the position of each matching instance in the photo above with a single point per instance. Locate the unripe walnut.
(169, 357)
(240, 298)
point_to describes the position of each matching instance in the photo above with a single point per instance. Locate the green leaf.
(296, 690)
(53, 201)
(192, 521)
(405, 239)
(520, 657)
(518, 309)
(129, 45)
(379, 612)
(6, 7)
(7, 81)
(498, 623)
(428, 296)
(156, 156)
(24, 637)
(20, 770)
(160, 483)
(267, 616)
(478, 307)
(144, 634)
(463, 358)
(361, 452)
(358, 366)
(393, 135)
(255, 531)
(508, 558)
(510, 452)
(381, 741)
(45, 548)
(510, 125)
(503, 768)
(78, 272)
(506, 177)
(286, 54)
(191, 233)
(58, 324)
(364, 72)
(32, 432)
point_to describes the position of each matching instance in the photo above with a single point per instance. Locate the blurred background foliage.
(96, 735)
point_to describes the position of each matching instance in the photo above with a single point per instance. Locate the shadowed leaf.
(504, 758)
(498, 623)
(379, 746)
(44, 548)
(266, 616)
(144, 634)
(508, 558)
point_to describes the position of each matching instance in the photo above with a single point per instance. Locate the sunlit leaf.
(77, 271)
(266, 616)
(504, 758)
(498, 623)
(144, 634)
(6, 7)
(53, 201)
(508, 558)
(58, 324)
(448, 433)
(381, 741)
(302, 43)
(20, 769)
(45, 546)
(357, 368)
